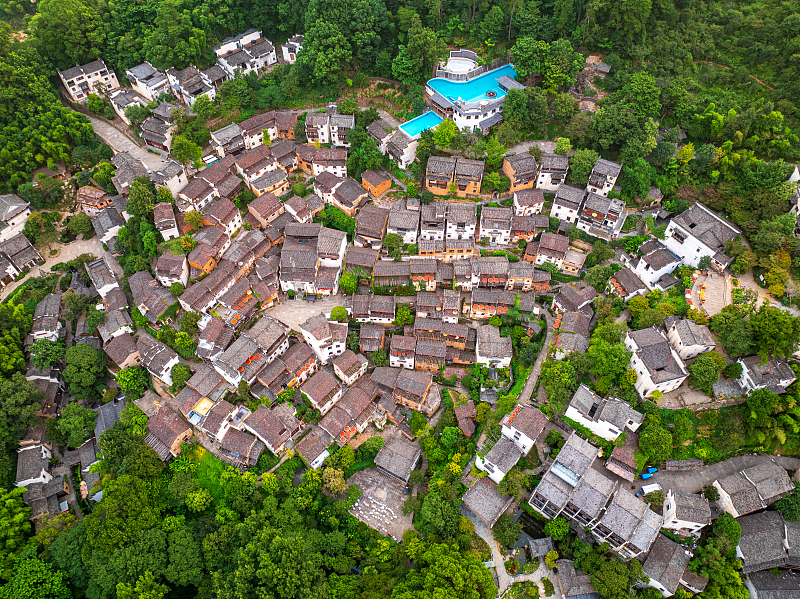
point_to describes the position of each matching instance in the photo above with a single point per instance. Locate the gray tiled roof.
(504, 454)
(706, 226)
(607, 168)
(483, 500)
(398, 456)
(784, 584)
(574, 583)
(762, 541)
(569, 197)
(666, 563)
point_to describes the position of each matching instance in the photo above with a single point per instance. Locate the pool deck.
(423, 122)
(474, 90)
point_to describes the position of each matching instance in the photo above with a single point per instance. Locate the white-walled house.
(528, 202)
(567, 203)
(698, 232)
(655, 265)
(33, 465)
(688, 338)
(523, 426)
(14, 213)
(501, 457)
(603, 177)
(327, 339)
(658, 366)
(552, 171)
(291, 48)
(686, 512)
(350, 366)
(323, 391)
(605, 417)
(775, 374)
(491, 349)
(157, 358)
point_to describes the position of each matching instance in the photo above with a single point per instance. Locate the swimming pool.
(417, 125)
(474, 90)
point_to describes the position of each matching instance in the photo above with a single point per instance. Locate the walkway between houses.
(120, 142)
(503, 579)
(694, 481)
(530, 384)
(393, 178)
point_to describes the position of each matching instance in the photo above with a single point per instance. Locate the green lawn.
(209, 471)
(173, 246)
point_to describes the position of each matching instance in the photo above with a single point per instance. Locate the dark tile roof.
(121, 347)
(706, 226)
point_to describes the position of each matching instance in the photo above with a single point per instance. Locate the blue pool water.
(474, 90)
(425, 121)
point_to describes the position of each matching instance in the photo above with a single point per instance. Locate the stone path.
(120, 142)
(747, 281)
(503, 578)
(546, 146)
(694, 481)
(68, 252)
(527, 390)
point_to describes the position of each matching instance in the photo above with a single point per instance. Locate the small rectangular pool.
(474, 90)
(416, 126)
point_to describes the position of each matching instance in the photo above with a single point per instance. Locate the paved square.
(381, 503)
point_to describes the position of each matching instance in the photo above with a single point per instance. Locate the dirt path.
(530, 384)
(722, 66)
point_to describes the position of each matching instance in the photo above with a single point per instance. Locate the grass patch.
(173, 246)
(358, 466)
(170, 312)
(209, 472)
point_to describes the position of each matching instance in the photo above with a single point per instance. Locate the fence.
(468, 54)
(495, 64)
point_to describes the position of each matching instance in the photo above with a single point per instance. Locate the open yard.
(381, 503)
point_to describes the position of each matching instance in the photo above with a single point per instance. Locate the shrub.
(176, 289)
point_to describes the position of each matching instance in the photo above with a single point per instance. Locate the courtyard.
(381, 503)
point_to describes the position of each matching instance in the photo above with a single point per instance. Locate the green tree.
(339, 314)
(348, 283)
(68, 32)
(133, 381)
(705, 373)
(726, 526)
(392, 242)
(444, 133)
(46, 353)
(141, 197)
(563, 146)
(146, 588)
(403, 67)
(379, 358)
(16, 527)
(492, 25)
(180, 373)
(204, 108)
(581, 164)
(76, 424)
(775, 332)
(185, 150)
(85, 370)
(326, 52)
(557, 528)
(642, 95)
(176, 289)
(174, 41)
(506, 531)
(34, 578)
(194, 218)
(189, 322)
(564, 106)
(80, 224)
(656, 442)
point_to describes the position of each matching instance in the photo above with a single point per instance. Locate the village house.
(528, 202)
(552, 172)
(654, 266)
(574, 583)
(497, 457)
(172, 269)
(602, 217)
(361, 260)
(429, 354)
(304, 209)
(485, 501)
(433, 221)
(401, 351)
(605, 417)
(150, 298)
(490, 272)
(117, 322)
(572, 299)
(266, 208)
(690, 339)
(224, 214)
(122, 99)
(247, 52)
(123, 351)
(665, 565)
(371, 226)
(658, 366)
(698, 232)
(332, 160)
(686, 513)
(775, 375)
(323, 391)
(164, 218)
(403, 222)
(326, 338)
(572, 488)
(291, 48)
(157, 358)
(768, 542)
(92, 199)
(402, 149)
(371, 338)
(376, 182)
(439, 174)
(349, 367)
(189, 84)
(551, 248)
(170, 175)
(14, 213)
(313, 447)
(493, 350)
(398, 458)
(92, 78)
(380, 131)
(567, 203)
(255, 348)
(101, 276)
(128, 169)
(522, 170)
(461, 221)
(496, 224)
(523, 426)
(522, 276)
(414, 389)
(340, 124)
(626, 284)
(275, 181)
(46, 324)
(348, 196)
(603, 177)
(148, 81)
(214, 339)
(388, 273)
(468, 177)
